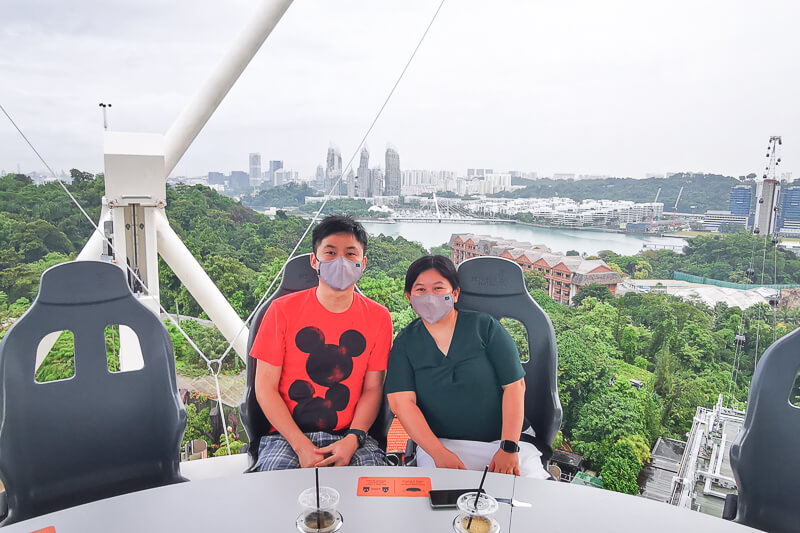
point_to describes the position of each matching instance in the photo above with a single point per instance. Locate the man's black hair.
(338, 224)
(439, 263)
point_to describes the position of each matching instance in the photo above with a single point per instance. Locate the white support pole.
(194, 116)
(192, 275)
(93, 248)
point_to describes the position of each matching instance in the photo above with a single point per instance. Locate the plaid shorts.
(275, 453)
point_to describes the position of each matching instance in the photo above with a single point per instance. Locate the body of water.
(559, 240)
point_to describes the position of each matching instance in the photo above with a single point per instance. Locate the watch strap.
(361, 436)
(509, 446)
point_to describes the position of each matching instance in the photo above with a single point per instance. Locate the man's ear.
(363, 263)
(456, 294)
(313, 260)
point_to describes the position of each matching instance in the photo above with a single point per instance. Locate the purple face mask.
(432, 307)
(340, 273)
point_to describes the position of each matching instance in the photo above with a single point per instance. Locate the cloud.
(616, 87)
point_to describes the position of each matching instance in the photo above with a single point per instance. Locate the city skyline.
(628, 90)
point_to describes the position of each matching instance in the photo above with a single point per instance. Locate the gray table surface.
(268, 502)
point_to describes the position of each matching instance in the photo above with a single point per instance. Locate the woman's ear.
(408, 297)
(456, 294)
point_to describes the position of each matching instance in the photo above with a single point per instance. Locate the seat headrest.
(495, 276)
(298, 274)
(82, 282)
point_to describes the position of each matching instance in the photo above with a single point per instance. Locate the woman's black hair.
(439, 263)
(338, 224)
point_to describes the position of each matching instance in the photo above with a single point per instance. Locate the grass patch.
(624, 370)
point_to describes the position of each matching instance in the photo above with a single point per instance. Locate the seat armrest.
(3, 505)
(410, 455)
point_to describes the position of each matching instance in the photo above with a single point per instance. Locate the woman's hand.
(447, 459)
(505, 463)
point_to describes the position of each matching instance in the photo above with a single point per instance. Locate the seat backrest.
(97, 434)
(765, 457)
(297, 276)
(496, 286)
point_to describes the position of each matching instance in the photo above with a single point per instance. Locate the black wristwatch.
(509, 446)
(360, 435)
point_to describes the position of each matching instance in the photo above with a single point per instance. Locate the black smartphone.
(444, 499)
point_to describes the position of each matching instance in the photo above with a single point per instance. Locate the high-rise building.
(333, 170)
(216, 178)
(274, 166)
(239, 180)
(362, 185)
(319, 178)
(740, 200)
(351, 184)
(375, 185)
(255, 168)
(768, 191)
(392, 177)
(789, 214)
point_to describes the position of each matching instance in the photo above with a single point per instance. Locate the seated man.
(322, 360)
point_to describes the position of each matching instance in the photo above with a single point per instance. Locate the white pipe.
(194, 116)
(192, 275)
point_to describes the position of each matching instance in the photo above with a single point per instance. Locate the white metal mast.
(136, 170)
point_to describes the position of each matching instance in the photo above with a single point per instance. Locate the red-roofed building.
(565, 275)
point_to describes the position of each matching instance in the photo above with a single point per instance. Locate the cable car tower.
(768, 191)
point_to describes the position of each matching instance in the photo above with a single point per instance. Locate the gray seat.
(97, 434)
(766, 455)
(297, 276)
(496, 286)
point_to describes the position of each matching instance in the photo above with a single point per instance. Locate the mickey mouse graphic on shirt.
(327, 365)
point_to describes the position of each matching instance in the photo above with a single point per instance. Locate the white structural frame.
(136, 170)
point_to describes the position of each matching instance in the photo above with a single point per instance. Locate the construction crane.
(675, 210)
(653, 212)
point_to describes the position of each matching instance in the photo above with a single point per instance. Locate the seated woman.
(455, 380)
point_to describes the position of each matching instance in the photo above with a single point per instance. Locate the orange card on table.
(394, 486)
(50, 529)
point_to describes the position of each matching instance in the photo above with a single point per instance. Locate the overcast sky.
(601, 87)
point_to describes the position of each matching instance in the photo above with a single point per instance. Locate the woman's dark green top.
(459, 394)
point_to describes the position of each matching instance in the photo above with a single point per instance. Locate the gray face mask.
(432, 307)
(340, 273)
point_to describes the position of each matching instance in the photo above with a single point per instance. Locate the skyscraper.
(351, 184)
(319, 178)
(392, 175)
(333, 169)
(273, 167)
(740, 200)
(362, 187)
(789, 215)
(255, 168)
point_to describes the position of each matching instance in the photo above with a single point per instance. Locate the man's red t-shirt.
(324, 356)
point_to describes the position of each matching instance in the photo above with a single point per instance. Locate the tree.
(198, 425)
(571, 253)
(621, 468)
(582, 376)
(602, 421)
(594, 290)
(534, 280)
